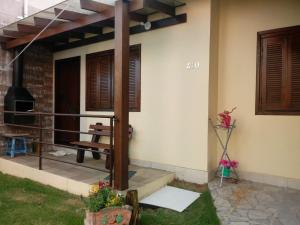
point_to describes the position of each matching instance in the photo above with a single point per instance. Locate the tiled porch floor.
(249, 203)
(145, 178)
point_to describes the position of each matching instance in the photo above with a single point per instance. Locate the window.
(99, 80)
(278, 72)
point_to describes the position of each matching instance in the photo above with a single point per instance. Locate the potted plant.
(226, 166)
(106, 206)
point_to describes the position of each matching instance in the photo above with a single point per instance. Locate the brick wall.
(5, 82)
(37, 78)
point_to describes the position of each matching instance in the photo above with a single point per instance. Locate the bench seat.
(88, 144)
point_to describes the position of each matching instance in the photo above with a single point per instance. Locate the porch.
(94, 21)
(77, 179)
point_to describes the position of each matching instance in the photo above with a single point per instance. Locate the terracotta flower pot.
(109, 216)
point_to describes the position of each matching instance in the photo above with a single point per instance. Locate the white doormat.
(171, 198)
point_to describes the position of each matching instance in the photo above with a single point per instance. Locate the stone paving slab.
(250, 203)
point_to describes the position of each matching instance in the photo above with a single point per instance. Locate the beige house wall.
(267, 145)
(171, 130)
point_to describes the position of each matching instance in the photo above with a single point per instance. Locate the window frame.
(138, 48)
(259, 110)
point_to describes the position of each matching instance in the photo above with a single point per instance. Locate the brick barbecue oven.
(18, 98)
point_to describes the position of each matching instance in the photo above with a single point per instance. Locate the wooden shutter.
(273, 73)
(134, 79)
(91, 85)
(105, 71)
(294, 69)
(99, 82)
(278, 77)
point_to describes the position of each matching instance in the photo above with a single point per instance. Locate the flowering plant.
(225, 118)
(229, 164)
(102, 196)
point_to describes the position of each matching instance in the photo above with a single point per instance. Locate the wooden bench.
(98, 131)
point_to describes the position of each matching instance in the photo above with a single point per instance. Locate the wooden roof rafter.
(98, 7)
(69, 15)
(13, 33)
(94, 6)
(42, 22)
(28, 28)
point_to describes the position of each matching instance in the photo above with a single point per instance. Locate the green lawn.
(24, 202)
(201, 212)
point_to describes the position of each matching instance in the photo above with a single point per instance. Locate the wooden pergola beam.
(106, 23)
(68, 15)
(134, 5)
(76, 35)
(91, 29)
(138, 17)
(28, 28)
(100, 7)
(42, 22)
(14, 34)
(159, 6)
(94, 6)
(4, 39)
(57, 39)
(121, 94)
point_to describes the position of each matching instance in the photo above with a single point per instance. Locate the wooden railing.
(40, 143)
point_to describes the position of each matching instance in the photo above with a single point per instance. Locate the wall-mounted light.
(146, 25)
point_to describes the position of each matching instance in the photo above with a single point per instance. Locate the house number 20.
(193, 65)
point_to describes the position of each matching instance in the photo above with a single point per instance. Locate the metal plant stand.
(224, 146)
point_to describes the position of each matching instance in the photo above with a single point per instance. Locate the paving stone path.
(249, 203)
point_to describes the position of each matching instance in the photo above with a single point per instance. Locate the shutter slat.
(273, 72)
(132, 79)
(91, 86)
(99, 81)
(105, 82)
(134, 76)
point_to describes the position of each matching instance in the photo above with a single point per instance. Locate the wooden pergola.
(90, 21)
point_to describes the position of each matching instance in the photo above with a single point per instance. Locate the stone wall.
(37, 78)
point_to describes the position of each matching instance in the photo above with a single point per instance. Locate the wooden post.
(121, 93)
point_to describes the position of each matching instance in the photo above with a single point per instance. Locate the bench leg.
(96, 155)
(80, 156)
